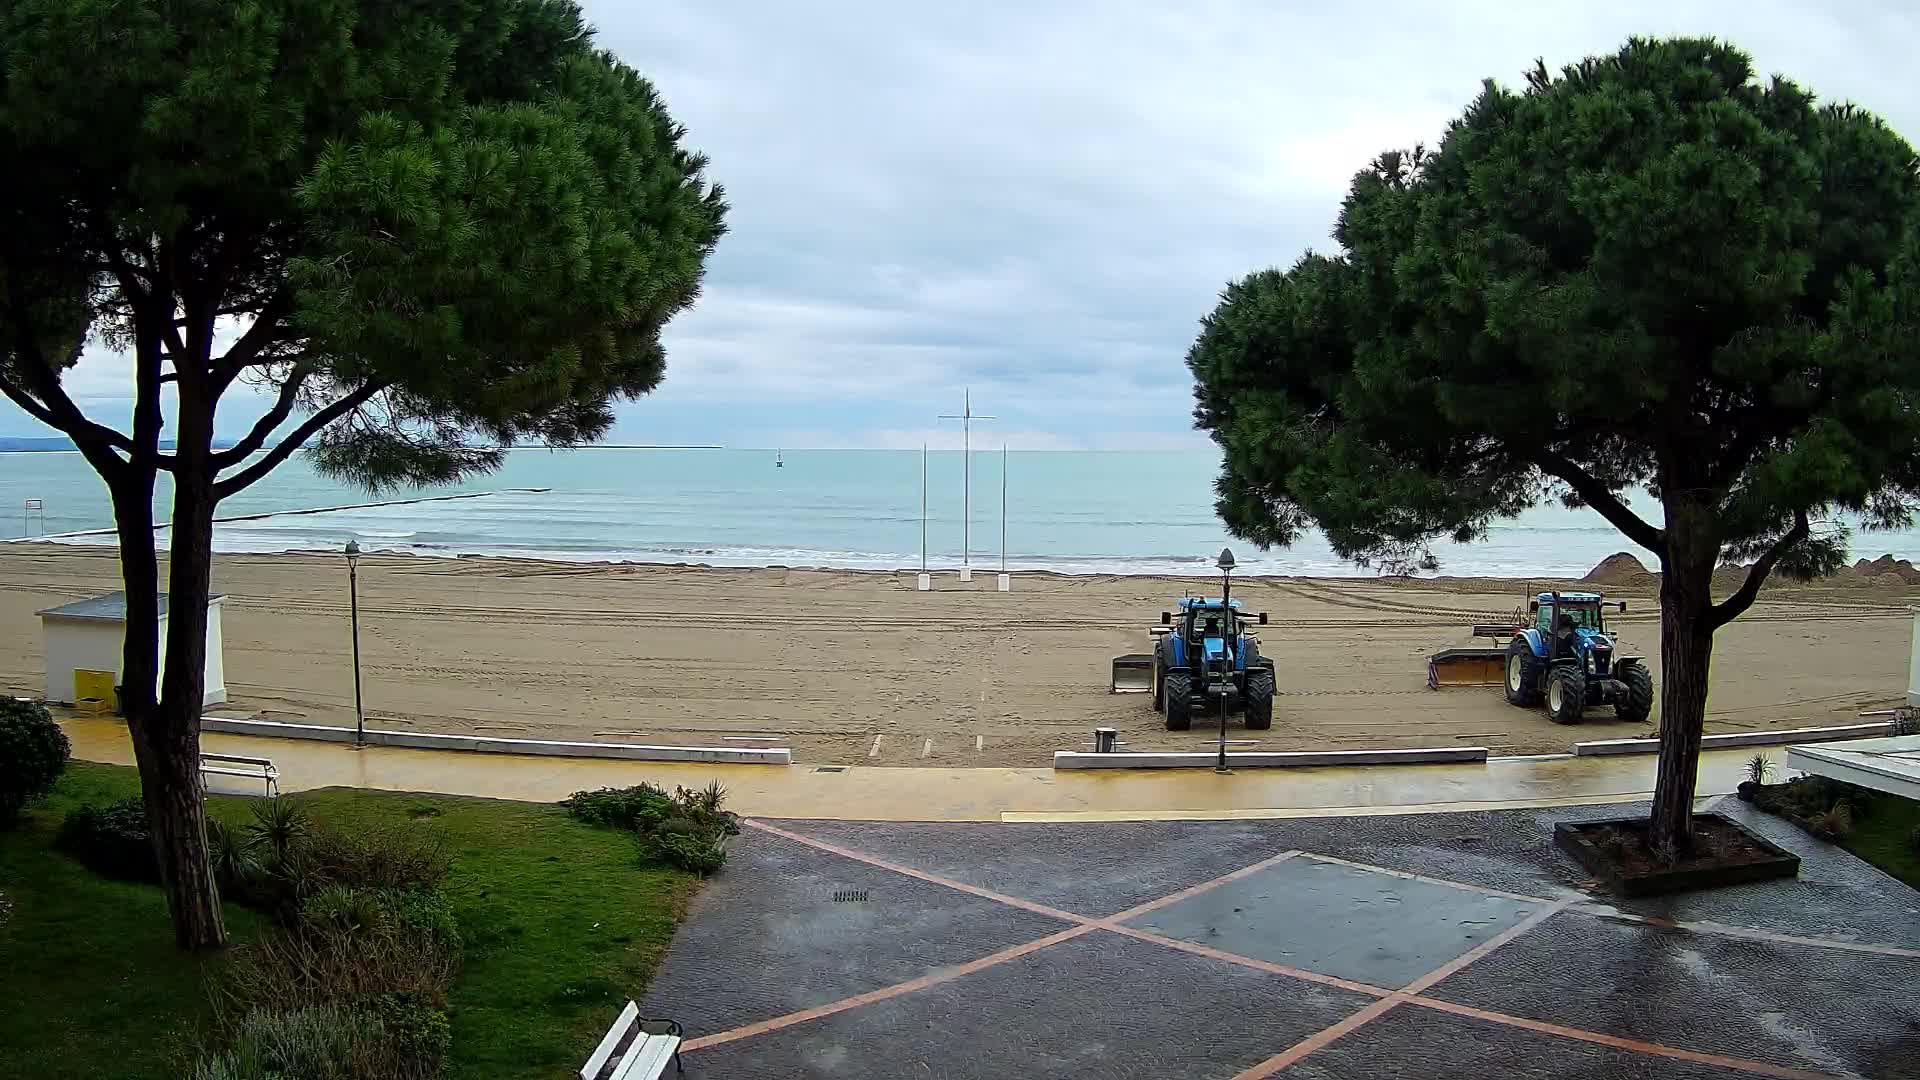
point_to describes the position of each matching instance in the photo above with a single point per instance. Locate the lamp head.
(353, 552)
(1226, 561)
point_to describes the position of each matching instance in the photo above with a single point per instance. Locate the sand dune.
(960, 676)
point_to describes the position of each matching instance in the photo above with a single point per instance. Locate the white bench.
(635, 1049)
(253, 768)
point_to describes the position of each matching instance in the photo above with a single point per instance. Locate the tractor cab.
(1572, 625)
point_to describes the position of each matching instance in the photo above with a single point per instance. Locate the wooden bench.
(253, 768)
(635, 1049)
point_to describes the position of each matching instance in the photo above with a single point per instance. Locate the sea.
(1069, 512)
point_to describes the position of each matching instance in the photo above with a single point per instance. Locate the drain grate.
(830, 768)
(850, 896)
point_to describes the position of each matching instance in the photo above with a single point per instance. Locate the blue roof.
(1577, 597)
(1188, 603)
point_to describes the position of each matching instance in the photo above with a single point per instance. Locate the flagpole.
(1003, 508)
(966, 416)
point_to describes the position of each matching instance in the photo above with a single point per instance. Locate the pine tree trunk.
(176, 807)
(1686, 656)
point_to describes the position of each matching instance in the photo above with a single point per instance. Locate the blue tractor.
(1203, 656)
(1566, 657)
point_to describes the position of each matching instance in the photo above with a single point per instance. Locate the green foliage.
(456, 219)
(1834, 823)
(113, 840)
(697, 852)
(33, 750)
(376, 1041)
(559, 928)
(278, 826)
(687, 829)
(640, 808)
(1758, 767)
(1648, 270)
(420, 911)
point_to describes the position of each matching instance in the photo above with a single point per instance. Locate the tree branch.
(1733, 606)
(264, 427)
(266, 330)
(1594, 494)
(243, 479)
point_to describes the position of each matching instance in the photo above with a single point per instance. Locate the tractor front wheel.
(1566, 695)
(1260, 699)
(1177, 689)
(1639, 702)
(1523, 674)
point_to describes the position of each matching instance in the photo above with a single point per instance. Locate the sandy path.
(831, 659)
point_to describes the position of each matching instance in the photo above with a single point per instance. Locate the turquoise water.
(1071, 512)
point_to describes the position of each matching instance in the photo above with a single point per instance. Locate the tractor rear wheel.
(1639, 703)
(1566, 694)
(1177, 688)
(1523, 674)
(1260, 699)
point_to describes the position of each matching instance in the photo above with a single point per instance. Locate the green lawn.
(1882, 836)
(561, 926)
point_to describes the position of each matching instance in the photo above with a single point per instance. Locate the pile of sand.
(1619, 569)
(1887, 570)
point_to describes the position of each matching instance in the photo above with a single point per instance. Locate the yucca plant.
(279, 824)
(1758, 767)
(234, 853)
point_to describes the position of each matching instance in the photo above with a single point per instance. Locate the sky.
(1040, 201)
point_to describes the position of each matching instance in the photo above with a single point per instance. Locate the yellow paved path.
(909, 794)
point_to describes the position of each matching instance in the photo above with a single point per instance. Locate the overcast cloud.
(1040, 201)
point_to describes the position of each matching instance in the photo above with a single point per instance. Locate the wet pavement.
(1458, 944)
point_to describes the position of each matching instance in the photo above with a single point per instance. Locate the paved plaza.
(1347, 948)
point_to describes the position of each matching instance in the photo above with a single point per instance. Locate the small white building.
(88, 636)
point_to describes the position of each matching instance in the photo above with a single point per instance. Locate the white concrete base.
(1267, 759)
(923, 583)
(1913, 662)
(421, 740)
(966, 573)
(1005, 583)
(1891, 765)
(1605, 747)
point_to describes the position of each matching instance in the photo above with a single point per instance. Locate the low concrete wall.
(421, 740)
(1605, 747)
(1269, 759)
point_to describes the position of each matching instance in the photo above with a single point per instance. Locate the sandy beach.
(853, 667)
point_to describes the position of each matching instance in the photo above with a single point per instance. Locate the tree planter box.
(1734, 855)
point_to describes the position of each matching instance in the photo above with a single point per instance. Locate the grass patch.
(560, 921)
(1883, 836)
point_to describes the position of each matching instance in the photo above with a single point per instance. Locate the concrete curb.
(421, 740)
(1607, 747)
(1270, 759)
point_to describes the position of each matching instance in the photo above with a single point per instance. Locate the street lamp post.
(1231, 624)
(353, 592)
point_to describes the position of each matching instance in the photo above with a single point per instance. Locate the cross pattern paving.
(1296, 963)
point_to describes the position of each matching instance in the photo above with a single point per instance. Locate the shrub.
(237, 865)
(278, 825)
(324, 961)
(33, 751)
(418, 1032)
(640, 808)
(113, 841)
(413, 910)
(1834, 823)
(1913, 840)
(374, 1041)
(1758, 767)
(702, 854)
(317, 858)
